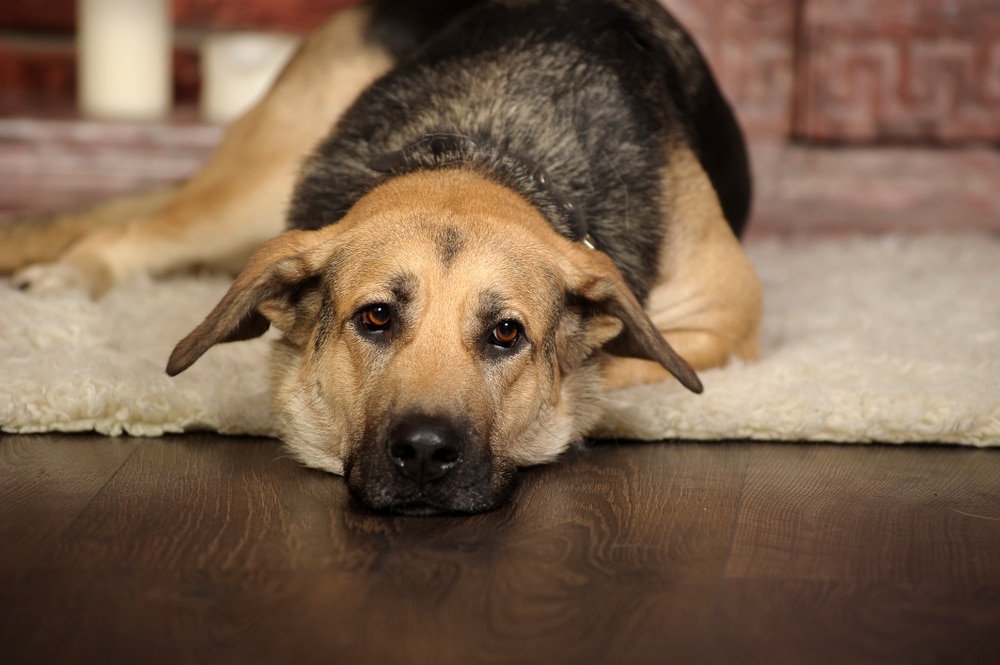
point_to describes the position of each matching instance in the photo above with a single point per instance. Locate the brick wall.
(749, 45)
(913, 70)
(817, 70)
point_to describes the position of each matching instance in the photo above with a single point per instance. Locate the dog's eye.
(506, 334)
(376, 318)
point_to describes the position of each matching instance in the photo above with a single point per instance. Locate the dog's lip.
(422, 508)
(423, 505)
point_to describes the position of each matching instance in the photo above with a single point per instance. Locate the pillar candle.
(124, 58)
(237, 68)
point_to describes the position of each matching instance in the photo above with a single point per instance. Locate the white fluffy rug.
(891, 339)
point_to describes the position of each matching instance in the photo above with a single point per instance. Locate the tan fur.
(237, 200)
(708, 300)
(43, 239)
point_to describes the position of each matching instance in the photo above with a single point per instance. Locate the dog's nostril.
(424, 449)
(402, 452)
(446, 455)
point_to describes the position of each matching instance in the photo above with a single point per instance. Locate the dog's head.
(436, 338)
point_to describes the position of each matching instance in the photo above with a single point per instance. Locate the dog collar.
(529, 179)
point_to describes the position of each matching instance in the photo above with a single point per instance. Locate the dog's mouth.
(428, 508)
(428, 465)
(391, 497)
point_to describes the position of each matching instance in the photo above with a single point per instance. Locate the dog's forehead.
(448, 256)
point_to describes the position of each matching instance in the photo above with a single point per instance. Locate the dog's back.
(576, 105)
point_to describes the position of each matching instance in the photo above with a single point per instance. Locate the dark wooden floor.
(212, 549)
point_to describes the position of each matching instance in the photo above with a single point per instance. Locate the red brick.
(39, 74)
(750, 47)
(33, 15)
(37, 65)
(913, 71)
(292, 15)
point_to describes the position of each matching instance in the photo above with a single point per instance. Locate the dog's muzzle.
(425, 464)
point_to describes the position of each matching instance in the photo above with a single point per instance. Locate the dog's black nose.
(424, 448)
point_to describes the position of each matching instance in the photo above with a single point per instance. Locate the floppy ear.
(616, 321)
(274, 287)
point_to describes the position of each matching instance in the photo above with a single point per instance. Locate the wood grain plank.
(45, 483)
(776, 621)
(200, 547)
(823, 512)
(878, 555)
(606, 557)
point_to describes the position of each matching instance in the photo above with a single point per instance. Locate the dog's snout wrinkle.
(424, 449)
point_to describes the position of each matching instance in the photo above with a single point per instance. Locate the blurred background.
(866, 115)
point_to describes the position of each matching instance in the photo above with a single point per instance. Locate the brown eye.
(506, 334)
(376, 318)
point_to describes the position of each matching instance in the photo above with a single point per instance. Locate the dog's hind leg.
(707, 301)
(44, 238)
(238, 200)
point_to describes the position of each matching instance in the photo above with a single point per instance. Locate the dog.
(469, 220)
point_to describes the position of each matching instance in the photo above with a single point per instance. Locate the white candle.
(237, 68)
(124, 58)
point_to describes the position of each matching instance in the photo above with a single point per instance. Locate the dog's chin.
(431, 500)
(387, 494)
(429, 509)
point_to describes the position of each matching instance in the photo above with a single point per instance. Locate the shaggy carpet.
(866, 339)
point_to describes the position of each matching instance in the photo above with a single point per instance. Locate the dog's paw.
(62, 276)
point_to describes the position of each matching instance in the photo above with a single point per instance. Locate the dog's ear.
(277, 286)
(613, 318)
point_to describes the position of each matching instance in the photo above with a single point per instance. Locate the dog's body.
(471, 247)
